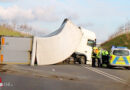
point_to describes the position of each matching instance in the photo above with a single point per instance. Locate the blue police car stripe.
(126, 61)
(115, 60)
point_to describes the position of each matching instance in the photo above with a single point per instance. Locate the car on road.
(120, 56)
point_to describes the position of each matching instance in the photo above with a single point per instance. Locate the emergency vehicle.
(120, 56)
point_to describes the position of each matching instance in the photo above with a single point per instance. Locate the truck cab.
(84, 50)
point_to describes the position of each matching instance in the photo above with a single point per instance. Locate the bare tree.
(121, 30)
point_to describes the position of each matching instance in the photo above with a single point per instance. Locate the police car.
(120, 56)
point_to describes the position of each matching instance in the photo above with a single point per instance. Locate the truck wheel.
(83, 60)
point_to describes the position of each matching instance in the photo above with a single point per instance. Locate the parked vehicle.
(120, 56)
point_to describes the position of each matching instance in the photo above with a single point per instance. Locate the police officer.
(105, 57)
(99, 57)
(94, 56)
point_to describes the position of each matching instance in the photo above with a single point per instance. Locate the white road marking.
(113, 77)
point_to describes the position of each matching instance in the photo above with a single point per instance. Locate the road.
(88, 79)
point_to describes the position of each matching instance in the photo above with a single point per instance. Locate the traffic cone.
(1, 84)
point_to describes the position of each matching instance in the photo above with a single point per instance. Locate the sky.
(100, 16)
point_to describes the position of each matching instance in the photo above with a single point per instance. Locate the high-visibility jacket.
(99, 54)
(95, 48)
(104, 53)
(95, 52)
(94, 55)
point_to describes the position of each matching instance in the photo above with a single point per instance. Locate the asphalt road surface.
(89, 79)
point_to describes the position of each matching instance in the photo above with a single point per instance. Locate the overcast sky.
(101, 16)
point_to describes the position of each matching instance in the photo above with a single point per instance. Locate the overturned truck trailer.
(57, 46)
(51, 49)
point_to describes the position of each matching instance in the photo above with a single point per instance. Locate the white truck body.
(87, 41)
(57, 46)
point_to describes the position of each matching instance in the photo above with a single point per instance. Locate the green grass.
(122, 40)
(10, 32)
